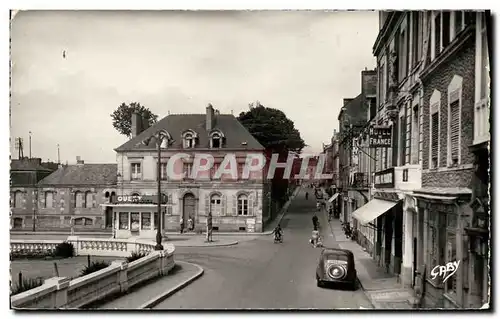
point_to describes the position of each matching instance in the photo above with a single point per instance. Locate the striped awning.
(372, 210)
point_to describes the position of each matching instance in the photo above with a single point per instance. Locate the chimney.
(210, 117)
(145, 124)
(79, 160)
(347, 101)
(136, 124)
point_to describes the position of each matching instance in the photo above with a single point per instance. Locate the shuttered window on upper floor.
(454, 131)
(434, 139)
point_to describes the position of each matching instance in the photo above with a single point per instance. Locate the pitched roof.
(82, 174)
(26, 164)
(175, 124)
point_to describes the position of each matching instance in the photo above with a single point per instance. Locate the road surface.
(262, 274)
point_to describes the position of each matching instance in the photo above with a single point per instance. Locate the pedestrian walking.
(190, 224)
(182, 224)
(315, 221)
(209, 227)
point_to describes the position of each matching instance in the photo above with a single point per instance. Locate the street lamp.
(160, 137)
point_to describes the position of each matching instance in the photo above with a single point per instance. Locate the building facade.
(431, 93)
(354, 183)
(71, 198)
(25, 173)
(455, 104)
(237, 203)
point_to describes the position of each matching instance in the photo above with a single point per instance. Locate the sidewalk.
(384, 290)
(200, 240)
(148, 295)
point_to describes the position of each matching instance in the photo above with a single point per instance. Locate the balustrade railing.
(61, 292)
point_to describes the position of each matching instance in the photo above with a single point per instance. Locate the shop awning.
(372, 210)
(334, 197)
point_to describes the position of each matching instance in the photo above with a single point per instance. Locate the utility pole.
(30, 144)
(58, 155)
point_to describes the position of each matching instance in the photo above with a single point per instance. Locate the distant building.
(237, 205)
(72, 196)
(25, 173)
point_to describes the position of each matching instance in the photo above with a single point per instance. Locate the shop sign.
(141, 199)
(380, 136)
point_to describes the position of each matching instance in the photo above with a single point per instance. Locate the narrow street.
(262, 274)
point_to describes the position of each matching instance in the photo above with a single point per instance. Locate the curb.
(232, 243)
(156, 300)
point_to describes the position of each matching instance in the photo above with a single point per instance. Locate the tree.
(277, 134)
(122, 117)
(272, 129)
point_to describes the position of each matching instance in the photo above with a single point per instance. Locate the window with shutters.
(18, 199)
(454, 121)
(188, 169)
(482, 101)
(79, 199)
(216, 205)
(402, 140)
(435, 140)
(454, 132)
(89, 200)
(49, 199)
(415, 135)
(135, 171)
(434, 130)
(416, 37)
(243, 205)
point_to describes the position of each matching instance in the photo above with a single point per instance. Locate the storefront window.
(134, 221)
(123, 221)
(146, 221)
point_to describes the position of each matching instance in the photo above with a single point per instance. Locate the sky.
(301, 62)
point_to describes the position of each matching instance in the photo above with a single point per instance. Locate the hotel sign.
(141, 199)
(385, 178)
(380, 136)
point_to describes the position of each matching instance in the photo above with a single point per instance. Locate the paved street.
(261, 274)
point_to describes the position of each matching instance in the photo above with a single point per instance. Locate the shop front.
(384, 214)
(137, 216)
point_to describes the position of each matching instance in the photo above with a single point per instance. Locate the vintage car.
(336, 266)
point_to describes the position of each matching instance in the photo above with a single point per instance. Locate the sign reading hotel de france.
(380, 136)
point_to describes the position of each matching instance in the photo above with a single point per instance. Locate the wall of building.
(460, 65)
(60, 213)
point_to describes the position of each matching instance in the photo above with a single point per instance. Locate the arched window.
(215, 204)
(189, 139)
(216, 140)
(89, 200)
(106, 195)
(18, 199)
(242, 205)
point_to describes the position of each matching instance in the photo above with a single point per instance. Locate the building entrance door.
(189, 207)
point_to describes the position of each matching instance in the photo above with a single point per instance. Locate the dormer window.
(216, 139)
(189, 139)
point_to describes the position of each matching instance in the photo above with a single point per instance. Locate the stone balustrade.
(63, 293)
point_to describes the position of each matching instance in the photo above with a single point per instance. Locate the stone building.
(353, 117)
(431, 92)
(237, 203)
(456, 112)
(72, 197)
(25, 173)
